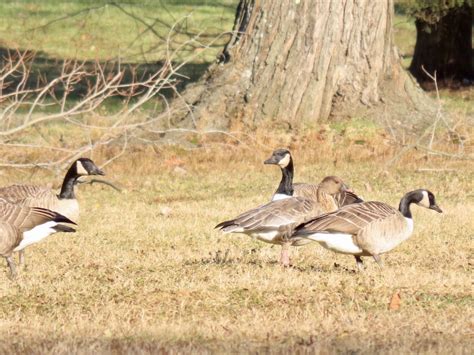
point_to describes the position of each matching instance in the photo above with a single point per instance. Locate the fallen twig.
(421, 170)
(99, 181)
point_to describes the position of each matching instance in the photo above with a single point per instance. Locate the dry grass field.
(146, 271)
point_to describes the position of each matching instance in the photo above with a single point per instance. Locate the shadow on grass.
(249, 257)
(149, 343)
(45, 69)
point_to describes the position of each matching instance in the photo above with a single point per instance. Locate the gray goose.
(275, 221)
(368, 228)
(23, 226)
(64, 203)
(283, 158)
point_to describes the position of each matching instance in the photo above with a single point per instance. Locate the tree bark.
(294, 63)
(444, 46)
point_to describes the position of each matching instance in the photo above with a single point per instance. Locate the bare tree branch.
(431, 132)
(74, 98)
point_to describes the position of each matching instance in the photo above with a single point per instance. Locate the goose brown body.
(41, 196)
(64, 203)
(310, 191)
(368, 228)
(375, 227)
(275, 221)
(16, 221)
(286, 188)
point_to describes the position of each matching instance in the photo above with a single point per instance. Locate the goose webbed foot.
(378, 260)
(360, 263)
(285, 255)
(12, 266)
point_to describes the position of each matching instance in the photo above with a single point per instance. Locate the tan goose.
(64, 203)
(368, 228)
(275, 221)
(23, 226)
(286, 188)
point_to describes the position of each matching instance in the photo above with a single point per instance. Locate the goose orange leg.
(285, 256)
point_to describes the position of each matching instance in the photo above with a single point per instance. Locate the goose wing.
(10, 237)
(344, 198)
(20, 193)
(308, 191)
(272, 216)
(26, 218)
(349, 219)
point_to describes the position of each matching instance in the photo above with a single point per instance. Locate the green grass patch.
(136, 31)
(356, 128)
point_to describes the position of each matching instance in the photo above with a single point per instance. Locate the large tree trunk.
(444, 46)
(296, 63)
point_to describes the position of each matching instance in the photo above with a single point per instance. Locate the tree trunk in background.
(444, 46)
(295, 63)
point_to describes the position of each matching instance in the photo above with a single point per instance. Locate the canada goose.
(368, 228)
(286, 188)
(64, 203)
(22, 226)
(275, 221)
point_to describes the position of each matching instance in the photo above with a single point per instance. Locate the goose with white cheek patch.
(64, 203)
(274, 222)
(283, 158)
(368, 228)
(23, 226)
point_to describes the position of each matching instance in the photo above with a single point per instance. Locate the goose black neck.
(404, 206)
(67, 188)
(286, 183)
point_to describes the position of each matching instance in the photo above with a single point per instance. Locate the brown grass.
(135, 279)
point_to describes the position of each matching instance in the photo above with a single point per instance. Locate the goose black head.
(333, 185)
(85, 166)
(281, 157)
(426, 198)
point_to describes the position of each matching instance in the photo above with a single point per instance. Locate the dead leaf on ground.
(395, 302)
(173, 161)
